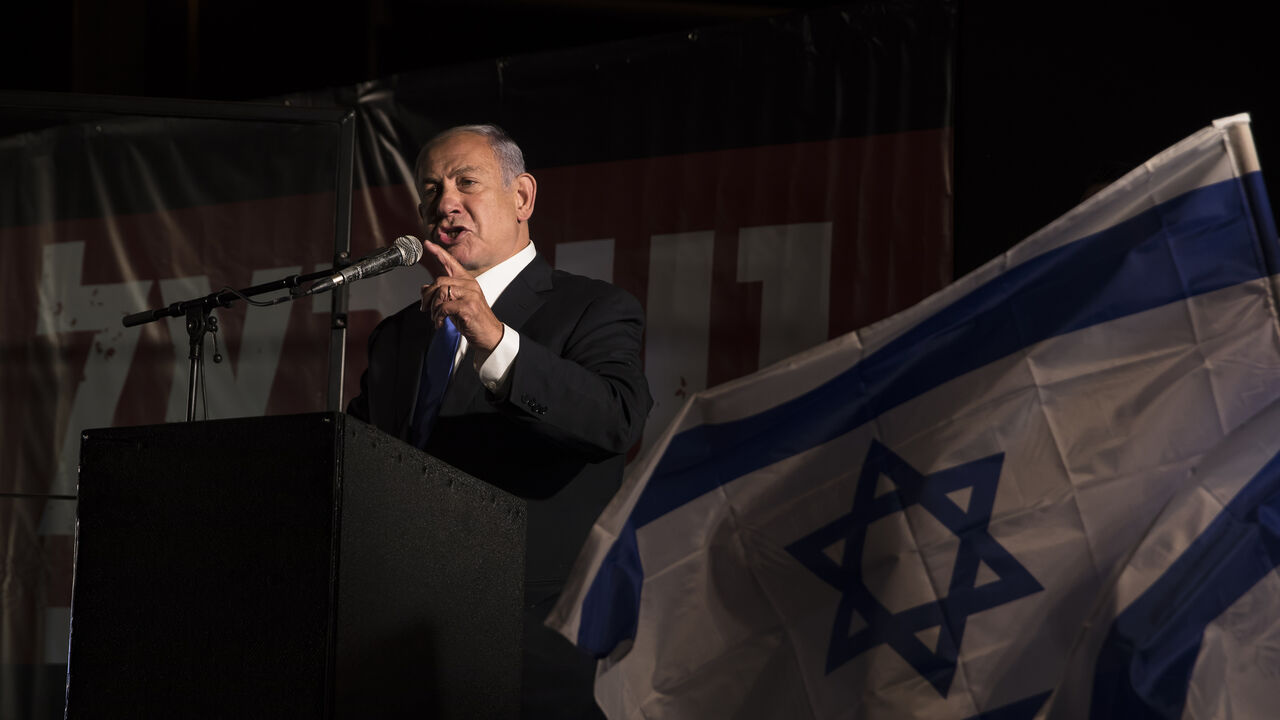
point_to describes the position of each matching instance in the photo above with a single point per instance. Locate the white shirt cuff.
(496, 368)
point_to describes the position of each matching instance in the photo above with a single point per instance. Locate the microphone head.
(410, 248)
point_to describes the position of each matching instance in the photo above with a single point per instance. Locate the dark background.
(1050, 97)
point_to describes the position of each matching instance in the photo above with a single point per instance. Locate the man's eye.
(428, 191)
(466, 182)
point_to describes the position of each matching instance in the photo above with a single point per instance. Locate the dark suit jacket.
(574, 403)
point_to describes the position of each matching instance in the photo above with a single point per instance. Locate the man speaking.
(525, 377)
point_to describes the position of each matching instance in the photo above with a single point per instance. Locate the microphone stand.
(200, 320)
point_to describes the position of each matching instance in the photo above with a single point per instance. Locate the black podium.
(306, 566)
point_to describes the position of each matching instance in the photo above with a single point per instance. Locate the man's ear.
(526, 192)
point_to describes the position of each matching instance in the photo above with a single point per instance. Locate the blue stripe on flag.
(1145, 664)
(611, 608)
(1201, 241)
(1256, 192)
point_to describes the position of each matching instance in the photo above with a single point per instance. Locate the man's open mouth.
(450, 234)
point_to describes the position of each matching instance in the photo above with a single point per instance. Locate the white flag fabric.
(925, 517)
(1190, 627)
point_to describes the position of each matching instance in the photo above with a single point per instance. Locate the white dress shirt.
(494, 369)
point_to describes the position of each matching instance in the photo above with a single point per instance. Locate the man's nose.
(448, 202)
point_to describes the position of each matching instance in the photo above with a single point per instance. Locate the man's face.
(466, 208)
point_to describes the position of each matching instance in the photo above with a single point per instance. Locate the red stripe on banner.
(225, 243)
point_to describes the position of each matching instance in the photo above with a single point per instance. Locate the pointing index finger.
(449, 263)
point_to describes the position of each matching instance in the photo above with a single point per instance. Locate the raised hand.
(456, 294)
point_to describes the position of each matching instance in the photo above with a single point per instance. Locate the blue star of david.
(964, 598)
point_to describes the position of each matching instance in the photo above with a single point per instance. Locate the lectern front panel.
(307, 566)
(204, 554)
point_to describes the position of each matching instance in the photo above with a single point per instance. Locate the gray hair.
(510, 158)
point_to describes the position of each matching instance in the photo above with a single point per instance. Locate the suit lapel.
(523, 296)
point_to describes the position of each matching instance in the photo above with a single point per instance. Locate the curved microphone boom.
(406, 250)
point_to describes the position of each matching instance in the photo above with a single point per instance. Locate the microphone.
(406, 250)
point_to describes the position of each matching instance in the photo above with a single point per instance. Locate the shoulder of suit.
(562, 280)
(586, 292)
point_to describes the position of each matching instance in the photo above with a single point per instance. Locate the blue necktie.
(435, 378)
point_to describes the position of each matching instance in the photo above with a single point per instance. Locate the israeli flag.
(982, 500)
